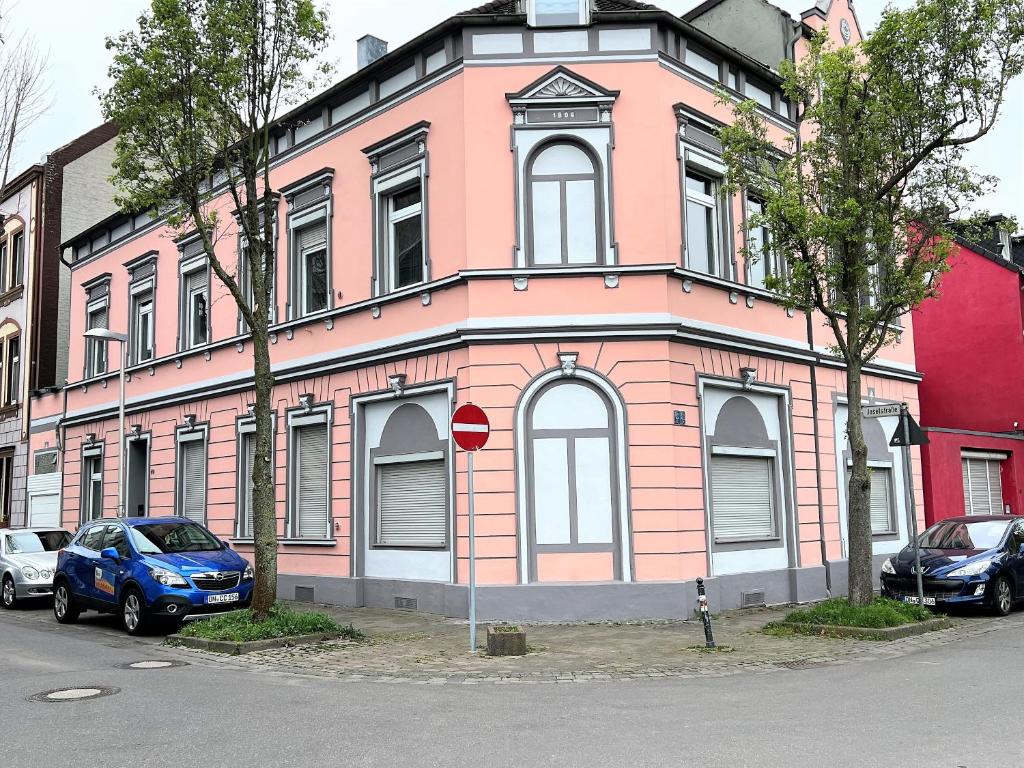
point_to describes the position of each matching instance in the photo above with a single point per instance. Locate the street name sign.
(880, 411)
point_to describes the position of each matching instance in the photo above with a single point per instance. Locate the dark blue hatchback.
(976, 560)
(149, 568)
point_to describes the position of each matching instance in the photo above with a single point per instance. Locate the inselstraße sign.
(880, 411)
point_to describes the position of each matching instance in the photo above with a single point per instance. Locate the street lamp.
(105, 334)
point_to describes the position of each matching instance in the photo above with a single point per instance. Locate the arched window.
(572, 473)
(564, 206)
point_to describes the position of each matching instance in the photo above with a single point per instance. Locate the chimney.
(369, 49)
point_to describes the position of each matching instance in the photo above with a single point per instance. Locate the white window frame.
(300, 417)
(182, 436)
(535, 18)
(187, 300)
(12, 370)
(300, 217)
(242, 276)
(398, 164)
(394, 218)
(985, 456)
(97, 360)
(767, 256)
(246, 430)
(91, 453)
(712, 170)
(138, 342)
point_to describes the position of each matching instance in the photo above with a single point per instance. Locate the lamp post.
(105, 334)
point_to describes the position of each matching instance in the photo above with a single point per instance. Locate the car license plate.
(231, 597)
(915, 600)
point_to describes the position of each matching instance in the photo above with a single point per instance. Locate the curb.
(235, 648)
(870, 633)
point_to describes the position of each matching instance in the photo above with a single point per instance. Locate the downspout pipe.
(797, 33)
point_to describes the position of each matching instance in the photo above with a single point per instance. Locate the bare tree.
(24, 94)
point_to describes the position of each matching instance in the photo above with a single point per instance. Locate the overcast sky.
(73, 32)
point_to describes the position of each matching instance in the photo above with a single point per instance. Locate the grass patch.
(879, 613)
(239, 627)
(706, 650)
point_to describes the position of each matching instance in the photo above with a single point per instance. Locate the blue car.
(145, 569)
(976, 560)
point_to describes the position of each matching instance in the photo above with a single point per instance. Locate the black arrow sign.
(917, 435)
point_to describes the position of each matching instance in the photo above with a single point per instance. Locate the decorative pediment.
(561, 84)
(561, 96)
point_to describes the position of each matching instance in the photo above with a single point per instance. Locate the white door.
(44, 500)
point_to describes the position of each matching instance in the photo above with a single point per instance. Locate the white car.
(28, 558)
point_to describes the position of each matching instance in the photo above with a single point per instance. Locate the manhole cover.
(78, 693)
(153, 664)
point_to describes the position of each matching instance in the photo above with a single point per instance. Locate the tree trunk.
(264, 513)
(858, 508)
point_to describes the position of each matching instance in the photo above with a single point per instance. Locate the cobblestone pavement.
(406, 647)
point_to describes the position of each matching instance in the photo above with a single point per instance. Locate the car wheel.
(8, 593)
(1002, 596)
(133, 612)
(64, 608)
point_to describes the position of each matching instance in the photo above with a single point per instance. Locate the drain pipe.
(817, 457)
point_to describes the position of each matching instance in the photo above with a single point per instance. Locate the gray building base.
(839, 573)
(606, 601)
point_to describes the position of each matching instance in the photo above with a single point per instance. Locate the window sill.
(291, 542)
(410, 547)
(308, 542)
(9, 410)
(766, 540)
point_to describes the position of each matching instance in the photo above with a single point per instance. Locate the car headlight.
(887, 566)
(29, 573)
(248, 574)
(167, 578)
(46, 573)
(972, 569)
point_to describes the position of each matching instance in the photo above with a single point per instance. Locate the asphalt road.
(955, 706)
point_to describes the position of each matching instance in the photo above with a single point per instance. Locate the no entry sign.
(470, 427)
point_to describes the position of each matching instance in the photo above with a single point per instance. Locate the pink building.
(520, 208)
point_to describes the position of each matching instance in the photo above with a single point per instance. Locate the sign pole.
(908, 473)
(470, 430)
(472, 560)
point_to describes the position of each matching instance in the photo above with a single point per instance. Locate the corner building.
(520, 208)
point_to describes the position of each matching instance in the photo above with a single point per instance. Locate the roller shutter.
(741, 491)
(411, 504)
(312, 469)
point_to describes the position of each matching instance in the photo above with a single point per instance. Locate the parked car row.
(144, 570)
(171, 569)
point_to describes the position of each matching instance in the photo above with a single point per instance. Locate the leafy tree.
(858, 204)
(195, 91)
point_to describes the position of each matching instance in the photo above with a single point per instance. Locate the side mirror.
(111, 554)
(226, 543)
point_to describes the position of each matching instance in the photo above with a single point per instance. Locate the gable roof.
(512, 7)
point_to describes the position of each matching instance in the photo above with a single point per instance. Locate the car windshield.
(28, 542)
(168, 538)
(952, 534)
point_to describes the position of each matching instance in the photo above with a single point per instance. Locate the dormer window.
(558, 13)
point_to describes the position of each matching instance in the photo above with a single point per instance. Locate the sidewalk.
(415, 647)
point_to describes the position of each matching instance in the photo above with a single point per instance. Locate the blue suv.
(146, 568)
